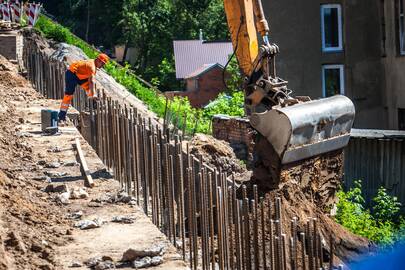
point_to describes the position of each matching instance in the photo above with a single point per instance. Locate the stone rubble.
(55, 149)
(79, 193)
(146, 262)
(53, 165)
(53, 174)
(42, 178)
(133, 254)
(71, 164)
(89, 224)
(123, 219)
(63, 198)
(75, 264)
(56, 188)
(75, 215)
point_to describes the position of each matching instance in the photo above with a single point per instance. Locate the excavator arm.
(290, 129)
(241, 16)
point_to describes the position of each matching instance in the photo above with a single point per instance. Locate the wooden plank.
(85, 169)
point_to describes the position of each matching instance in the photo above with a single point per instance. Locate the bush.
(385, 207)
(381, 226)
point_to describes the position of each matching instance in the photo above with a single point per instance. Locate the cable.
(233, 53)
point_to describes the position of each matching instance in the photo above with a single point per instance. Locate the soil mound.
(308, 190)
(219, 155)
(8, 75)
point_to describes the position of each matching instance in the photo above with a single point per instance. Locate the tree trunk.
(88, 21)
(124, 57)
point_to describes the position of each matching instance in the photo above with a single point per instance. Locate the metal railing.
(197, 207)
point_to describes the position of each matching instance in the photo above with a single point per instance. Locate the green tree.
(149, 26)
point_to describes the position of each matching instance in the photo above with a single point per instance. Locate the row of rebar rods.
(197, 207)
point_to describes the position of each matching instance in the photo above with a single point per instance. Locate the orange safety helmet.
(103, 58)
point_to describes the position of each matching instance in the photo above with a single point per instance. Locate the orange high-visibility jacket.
(83, 69)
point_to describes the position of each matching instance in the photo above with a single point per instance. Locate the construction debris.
(42, 178)
(89, 180)
(75, 264)
(133, 254)
(54, 174)
(71, 164)
(89, 224)
(55, 149)
(56, 188)
(63, 198)
(75, 215)
(146, 262)
(123, 219)
(53, 165)
(79, 193)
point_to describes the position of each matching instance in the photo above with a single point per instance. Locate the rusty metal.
(315, 244)
(331, 252)
(263, 230)
(284, 251)
(246, 221)
(255, 235)
(292, 259)
(303, 251)
(220, 229)
(238, 237)
(190, 218)
(320, 251)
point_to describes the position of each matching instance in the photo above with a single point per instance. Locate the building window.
(401, 119)
(331, 24)
(401, 26)
(333, 82)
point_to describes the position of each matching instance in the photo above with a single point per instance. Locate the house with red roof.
(201, 65)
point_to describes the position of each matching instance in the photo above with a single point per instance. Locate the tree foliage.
(149, 26)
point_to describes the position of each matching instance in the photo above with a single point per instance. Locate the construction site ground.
(37, 228)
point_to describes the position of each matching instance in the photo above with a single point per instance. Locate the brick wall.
(236, 131)
(209, 86)
(11, 45)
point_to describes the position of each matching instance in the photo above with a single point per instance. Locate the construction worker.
(80, 73)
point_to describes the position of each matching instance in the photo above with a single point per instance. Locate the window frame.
(401, 36)
(341, 68)
(340, 28)
(400, 113)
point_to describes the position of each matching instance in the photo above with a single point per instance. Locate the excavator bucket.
(306, 129)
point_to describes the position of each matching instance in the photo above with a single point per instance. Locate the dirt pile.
(319, 178)
(308, 190)
(6, 66)
(219, 155)
(347, 246)
(30, 227)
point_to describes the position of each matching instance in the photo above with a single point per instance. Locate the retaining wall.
(11, 45)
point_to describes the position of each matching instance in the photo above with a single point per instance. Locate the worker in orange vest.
(80, 73)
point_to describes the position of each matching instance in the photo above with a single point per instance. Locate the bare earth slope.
(35, 229)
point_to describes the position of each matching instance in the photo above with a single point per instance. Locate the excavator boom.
(291, 129)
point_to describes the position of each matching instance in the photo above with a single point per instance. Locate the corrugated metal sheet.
(190, 55)
(377, 158)
(202, 70)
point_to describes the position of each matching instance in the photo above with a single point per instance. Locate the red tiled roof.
(191, 55)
